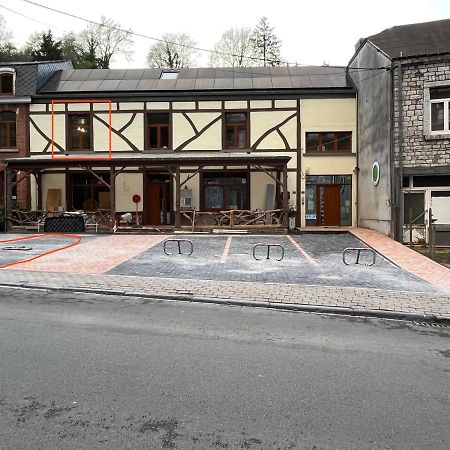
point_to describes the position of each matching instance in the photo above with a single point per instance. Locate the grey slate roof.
(30, 76)
(201, 79)
(419, 39)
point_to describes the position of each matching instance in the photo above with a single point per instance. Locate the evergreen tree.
(266, 45)
(49, 49)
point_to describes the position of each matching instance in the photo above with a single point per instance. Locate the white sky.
(312, 32)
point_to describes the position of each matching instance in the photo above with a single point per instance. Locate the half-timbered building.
(200, 148)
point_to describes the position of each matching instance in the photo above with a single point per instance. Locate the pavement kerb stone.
(364, 312)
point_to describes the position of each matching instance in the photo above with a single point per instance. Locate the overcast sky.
(312, 32)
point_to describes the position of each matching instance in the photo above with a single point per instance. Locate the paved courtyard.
(222, 269)
(310, 259)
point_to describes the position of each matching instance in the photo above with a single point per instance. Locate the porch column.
(8, 196)
(38, 178)
(177, 197)
(112, 197)
(285, 196)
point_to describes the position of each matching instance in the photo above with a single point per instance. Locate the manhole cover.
(17, 247)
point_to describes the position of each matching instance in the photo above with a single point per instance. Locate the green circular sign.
(376, 173)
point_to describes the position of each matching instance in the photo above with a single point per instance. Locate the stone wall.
(420, 149)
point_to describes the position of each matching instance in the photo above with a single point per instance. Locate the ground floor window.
(222, 191)
(89, 193)
(329, 200)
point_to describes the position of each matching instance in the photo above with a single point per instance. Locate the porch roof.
(149, 159)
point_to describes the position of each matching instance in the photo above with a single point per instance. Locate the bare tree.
(265, 44)
(175, 52)
(5, 34)
(234, 49)
(8, 51)
(100, 43)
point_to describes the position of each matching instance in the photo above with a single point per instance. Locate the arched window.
(7, 129)
(6, 84)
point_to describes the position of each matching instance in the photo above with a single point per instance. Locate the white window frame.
(9, 71)
(446, 102)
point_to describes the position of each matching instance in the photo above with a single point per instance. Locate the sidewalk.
(84, 268)
(405, 258)
(354, 301)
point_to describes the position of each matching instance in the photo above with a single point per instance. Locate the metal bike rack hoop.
(268, 246)
(358, 251)
(179, 241)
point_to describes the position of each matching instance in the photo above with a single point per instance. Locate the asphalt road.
(93, 372)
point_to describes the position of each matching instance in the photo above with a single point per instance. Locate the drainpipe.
(392, 185)
(400, 201)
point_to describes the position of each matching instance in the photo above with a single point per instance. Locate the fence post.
(410, 227)
(430, 233)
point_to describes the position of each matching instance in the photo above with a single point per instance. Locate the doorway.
(328, 204)
(158, 204)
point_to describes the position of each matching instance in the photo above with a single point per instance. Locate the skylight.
(169, 75)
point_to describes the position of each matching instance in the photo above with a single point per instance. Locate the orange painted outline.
(38, 236)
(82, 158)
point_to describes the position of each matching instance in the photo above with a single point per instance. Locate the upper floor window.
(236, 130)
(329, 142)
(7, 129)
(439, 100)
(6, 84)
(80, 132)
(158, 130)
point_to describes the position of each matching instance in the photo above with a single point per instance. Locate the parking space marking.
(226, 250)
(308, 257)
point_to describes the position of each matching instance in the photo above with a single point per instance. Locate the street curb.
(338, 310)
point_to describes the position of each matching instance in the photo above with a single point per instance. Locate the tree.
(46, 48)
(100, 43)
(175, 52)
(234, 49)
(8, 51)
(266, 45)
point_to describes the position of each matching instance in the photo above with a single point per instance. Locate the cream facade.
(176, 145)
(274, 126)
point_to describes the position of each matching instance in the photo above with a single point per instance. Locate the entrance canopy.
(191, 159)
(172, 162)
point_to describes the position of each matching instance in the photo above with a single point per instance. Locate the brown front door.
(328, 204)
(157, 203)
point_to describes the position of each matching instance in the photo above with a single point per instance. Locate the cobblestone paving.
(324, 265)
(355, 299)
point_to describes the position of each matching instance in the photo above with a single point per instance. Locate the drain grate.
(431, 324)
(18, 247)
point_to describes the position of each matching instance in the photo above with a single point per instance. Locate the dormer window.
(6, 83)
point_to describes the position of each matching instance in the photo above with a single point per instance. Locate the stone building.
(402, 76)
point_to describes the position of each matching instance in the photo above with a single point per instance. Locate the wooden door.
(329, 204)
(157, 203)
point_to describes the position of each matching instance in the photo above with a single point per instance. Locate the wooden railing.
(99, 218)
(235, 218)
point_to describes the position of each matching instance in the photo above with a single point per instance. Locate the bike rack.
(178, 241)
(268, 246)
(358, 251)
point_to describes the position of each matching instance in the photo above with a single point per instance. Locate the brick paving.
(94, 256)
(407, 259)
(234, 275)
(356, 299)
